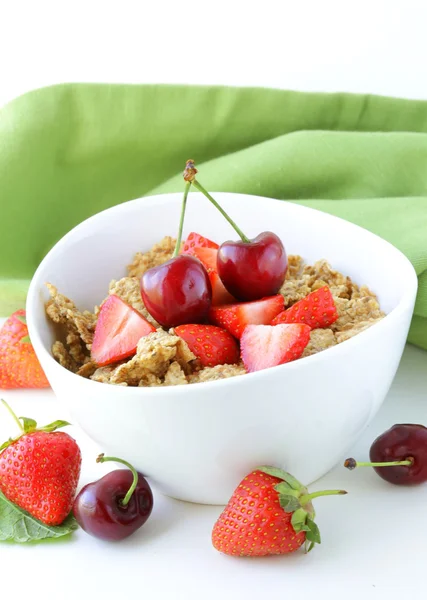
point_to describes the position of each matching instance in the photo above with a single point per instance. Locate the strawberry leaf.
(29, 424)
(54, 426)
(6, 444)
(299, 519)
(289, 503)
(16, 525)
(313, 533)
(280, 474)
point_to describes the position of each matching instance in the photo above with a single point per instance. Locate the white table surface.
(374, 539)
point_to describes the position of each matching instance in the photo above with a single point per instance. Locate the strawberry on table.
(40, 469)
(212, 345)
(195, 240)
(118, 330)
(317, 310)
(264, 346)
(270, 512)
(19, 365)
(235, 317)
(208, 258)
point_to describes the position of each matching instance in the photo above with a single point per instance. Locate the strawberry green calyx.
(27, 425)
(294, 498)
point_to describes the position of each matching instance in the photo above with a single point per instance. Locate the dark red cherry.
(399, 455)
(249, 269)
(177, 292)
(255, 269)
(100, 510)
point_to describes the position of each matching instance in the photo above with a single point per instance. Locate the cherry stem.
(351, 463)
(15, 418)
(308, 497)
(199, 186)
(181, 220)
(101, 459)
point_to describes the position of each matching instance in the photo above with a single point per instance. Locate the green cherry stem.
(308, 497)
(351, 463)
(14, 417)
(181, 220)
(101, 459)
(237, 229)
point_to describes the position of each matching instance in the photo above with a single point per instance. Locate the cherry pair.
(179, 291)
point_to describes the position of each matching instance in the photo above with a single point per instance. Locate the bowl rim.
(407, 302)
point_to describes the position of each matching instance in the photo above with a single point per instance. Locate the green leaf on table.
(16, 525)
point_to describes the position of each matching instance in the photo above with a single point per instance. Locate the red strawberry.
(270, 512)
(19, 365)
(235, 317)
(207, 257)
(317, 310)
(195, 240)
(39, 470)
(264, 346)
(118, 331)
(212, 345)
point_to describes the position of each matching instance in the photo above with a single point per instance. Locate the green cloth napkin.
(69, 151)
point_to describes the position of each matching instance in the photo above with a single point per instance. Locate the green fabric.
(68, 151)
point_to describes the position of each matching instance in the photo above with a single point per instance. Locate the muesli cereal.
(162, 358)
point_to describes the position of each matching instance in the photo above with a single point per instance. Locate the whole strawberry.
(19, 365)
(40, 469)
(270, 512)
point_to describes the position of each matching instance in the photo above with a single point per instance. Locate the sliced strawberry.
(316, 310)
(207, 257)
(264, 346)
(212, 345)
(118, 331)
(195, 240)
(235, 317)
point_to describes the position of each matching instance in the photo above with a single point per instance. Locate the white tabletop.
(374, 539)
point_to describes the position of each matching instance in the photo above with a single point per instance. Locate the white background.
(374, 46)
(374, 539)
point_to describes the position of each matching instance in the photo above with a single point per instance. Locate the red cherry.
(177, 292)
(249, 269)
(116, 505)
(399, 455)
(253, 270)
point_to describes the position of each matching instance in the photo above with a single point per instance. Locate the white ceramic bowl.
(196, 442)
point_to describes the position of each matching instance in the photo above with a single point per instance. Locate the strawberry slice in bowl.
(264, 346)
(235, 317)
(212, 345)
(195, 240)
(118, 331)
(317, 310)
(208, 258)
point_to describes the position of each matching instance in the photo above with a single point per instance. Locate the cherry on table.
(399, 455)
(116, 505)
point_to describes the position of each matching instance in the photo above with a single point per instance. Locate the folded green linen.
(69, 151)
